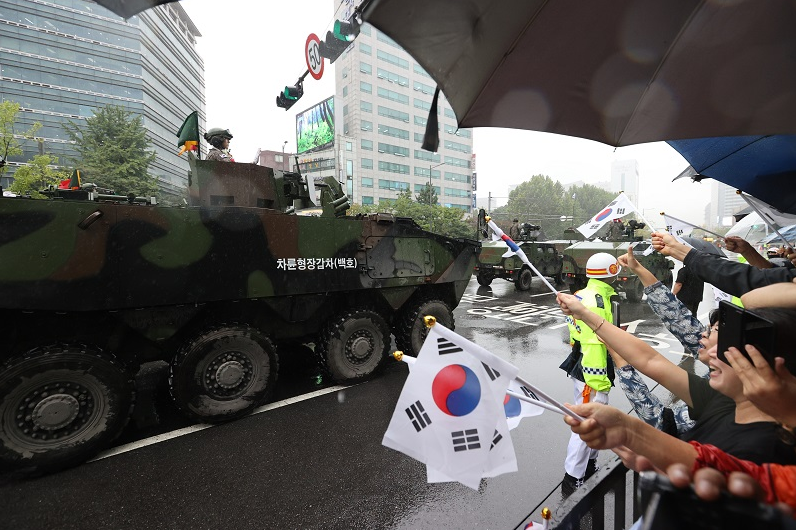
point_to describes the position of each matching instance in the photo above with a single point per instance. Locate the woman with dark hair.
(724, 416)
(771, 388)
(219, 139)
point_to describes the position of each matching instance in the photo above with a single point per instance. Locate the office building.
(62, 59)
(724, 202)
(382, 103)
(624, 177)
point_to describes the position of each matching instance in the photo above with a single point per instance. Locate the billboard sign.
(315, 127)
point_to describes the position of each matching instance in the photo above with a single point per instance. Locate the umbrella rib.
(503, 59)
(732, 154)
(658, 69)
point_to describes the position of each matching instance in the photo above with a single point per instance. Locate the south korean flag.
(450, 413)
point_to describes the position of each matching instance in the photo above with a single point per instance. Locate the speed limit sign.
(312, 53)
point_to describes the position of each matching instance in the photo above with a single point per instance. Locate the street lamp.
(430, 167)
(283, 155)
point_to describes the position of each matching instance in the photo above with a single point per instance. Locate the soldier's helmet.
(602, 265)
(218, 132)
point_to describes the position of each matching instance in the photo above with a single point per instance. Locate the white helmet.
(602, 265)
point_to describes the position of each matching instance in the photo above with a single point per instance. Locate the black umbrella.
(703, 246)
(128, 8)
(616, 71)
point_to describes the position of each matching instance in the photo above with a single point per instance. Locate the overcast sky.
(251, 50)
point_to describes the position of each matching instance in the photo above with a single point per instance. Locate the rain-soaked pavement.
(316, 460)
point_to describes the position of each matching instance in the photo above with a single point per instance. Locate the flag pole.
(640, 214)
(540, 392)
(537, 403)
(765, 219)
(518, 251)
(691, 224)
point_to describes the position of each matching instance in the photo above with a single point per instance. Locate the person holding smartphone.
(724, 416)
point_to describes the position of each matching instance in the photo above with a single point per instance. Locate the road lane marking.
(132, 446)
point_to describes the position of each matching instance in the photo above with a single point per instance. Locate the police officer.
(219, 139)
(589, 365)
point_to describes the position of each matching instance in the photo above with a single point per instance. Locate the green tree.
(113, 151)
(539, 200)
(10, 144)
(589, 200)
(38, 174)
(434, 218)
(427, 195)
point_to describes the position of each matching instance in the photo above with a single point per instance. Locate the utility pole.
(430, 167)
(283, 155)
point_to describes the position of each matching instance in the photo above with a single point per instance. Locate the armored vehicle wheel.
(523, 281)
(353, 345)
(559, 279)
(484, 278)
(59, 405)
(411, 331)
(223, 373)
(634, 290)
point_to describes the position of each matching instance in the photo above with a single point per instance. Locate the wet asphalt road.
(319, 462)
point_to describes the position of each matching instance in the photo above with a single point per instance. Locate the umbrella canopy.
(128, 8)
(762, 166)
(703, 246)
(616, 71)
(789, 232)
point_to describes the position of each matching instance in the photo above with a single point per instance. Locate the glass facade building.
(385, 98)
(62, 59)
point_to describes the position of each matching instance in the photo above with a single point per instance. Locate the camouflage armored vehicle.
(576, 255)
(93, 285)
(492, 264)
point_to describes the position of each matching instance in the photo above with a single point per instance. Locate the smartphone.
(616, 312)
(738, 326)
(666, 507)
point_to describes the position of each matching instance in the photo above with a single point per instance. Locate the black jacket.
(732, 277)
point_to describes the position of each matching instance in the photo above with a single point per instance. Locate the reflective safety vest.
(594, 361)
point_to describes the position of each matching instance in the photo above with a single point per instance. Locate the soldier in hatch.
(589, 365)
(219, 139)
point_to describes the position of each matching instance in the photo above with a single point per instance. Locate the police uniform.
(589, 366)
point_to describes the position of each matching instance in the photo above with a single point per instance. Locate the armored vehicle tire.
(559, 279)
(523, 281)
(223, 373)
(484, 278)
(634, 290)
(411, 331)
(354, 344)
(59, 405)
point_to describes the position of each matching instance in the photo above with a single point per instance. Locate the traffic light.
(346, 31)
(332, 47)
(336, 42)
(288, 97)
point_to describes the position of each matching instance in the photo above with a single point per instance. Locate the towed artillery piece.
(94, 285)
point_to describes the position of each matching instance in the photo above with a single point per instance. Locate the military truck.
(616, 244)
(493, 264)
(93, 284)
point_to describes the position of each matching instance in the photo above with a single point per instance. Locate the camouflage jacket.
(594, 363)
(218, 154)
